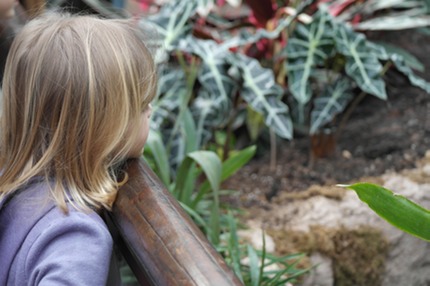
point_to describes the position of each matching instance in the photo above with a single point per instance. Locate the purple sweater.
(40, 245)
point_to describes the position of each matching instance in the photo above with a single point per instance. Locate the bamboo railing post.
(161, 243)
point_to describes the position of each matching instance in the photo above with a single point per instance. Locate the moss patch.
(358, 254)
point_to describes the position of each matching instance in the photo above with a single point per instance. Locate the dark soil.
(380, 136)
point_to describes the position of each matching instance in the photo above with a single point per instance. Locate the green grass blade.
(159, 153)
(214, 223)
(229, 168)
(397, 210)
(182, 189)
(211, 165)
(237, 161)
(253, 265)
(233, 246)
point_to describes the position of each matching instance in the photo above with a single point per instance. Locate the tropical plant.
(197, 186)
(294, 72)
(397, 210)
(256, 271)
(381, 14)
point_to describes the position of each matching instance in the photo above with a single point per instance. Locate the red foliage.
(262, 12)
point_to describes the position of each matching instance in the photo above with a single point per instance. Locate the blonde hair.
(73, 88)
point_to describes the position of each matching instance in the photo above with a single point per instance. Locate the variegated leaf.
(361, 64)
(400, 65)
(172, 21)
(213, 74)
(171, 90)
(308, 47)
(264, 95)
(207, 112)
(333, 101)
(415, 80)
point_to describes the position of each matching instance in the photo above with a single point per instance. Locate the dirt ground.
(380, 136)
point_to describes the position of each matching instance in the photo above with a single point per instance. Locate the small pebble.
(346, 154)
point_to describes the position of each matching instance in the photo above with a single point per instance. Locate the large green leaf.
(397, 210)
(213, 74)
(333, 101)
(400, 64)
(206, 113)
(172, 21)
(264, 95)
(159, 153)
(211, 166)
(412, 61)
(394, 14)
(361, 64)
(309, 46)
(394, 23)
(415, 80)
(229, 168)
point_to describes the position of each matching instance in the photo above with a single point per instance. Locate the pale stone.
(323, 274)
(255, 237)
(408, 260)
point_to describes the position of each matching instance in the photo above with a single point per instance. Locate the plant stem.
(273, 150)
(355, 102)
(348, 113)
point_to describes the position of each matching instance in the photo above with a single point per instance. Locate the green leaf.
(397, 22)
(409, 58)
(397, 210)
(361, 64)
(217, 84)
(214, 223)
(211, 165)
(264, 95)
(309, 46)
(237, 161)
(407, 71)
(172, 21)
(400, 65)
(233, 246)
(253, 265)
(183, 188)
(159, 152)
(254, 122)
(333, 101)
(229, 168)
(191, 137)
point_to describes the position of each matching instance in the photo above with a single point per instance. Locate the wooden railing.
(158, 239)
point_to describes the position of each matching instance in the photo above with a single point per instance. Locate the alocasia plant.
(217, 76)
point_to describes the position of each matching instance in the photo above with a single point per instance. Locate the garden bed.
(380, 136)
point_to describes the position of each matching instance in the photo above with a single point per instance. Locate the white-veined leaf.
(394, 23)
(361, 64)
(213, 74)
(172, 21)
(400, 65)
(308, 47)
(333, 101)
(264, 95)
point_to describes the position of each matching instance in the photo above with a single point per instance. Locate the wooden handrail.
(158, 239)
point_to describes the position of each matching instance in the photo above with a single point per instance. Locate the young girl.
(75, 105)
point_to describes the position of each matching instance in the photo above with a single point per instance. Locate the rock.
(407, 261)
(254, 236)
(323, 274)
